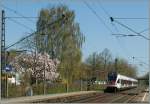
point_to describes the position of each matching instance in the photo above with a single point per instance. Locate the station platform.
(143, 97)
(40, 98)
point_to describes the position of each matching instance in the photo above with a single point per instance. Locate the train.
(117, 82)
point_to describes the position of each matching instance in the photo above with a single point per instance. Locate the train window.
(118, 81)
(112, 76)
(123, 82)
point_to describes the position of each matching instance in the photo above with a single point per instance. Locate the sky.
(97, 30)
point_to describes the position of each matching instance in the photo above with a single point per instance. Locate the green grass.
(18, 91)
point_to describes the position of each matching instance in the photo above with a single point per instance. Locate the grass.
(18, 91)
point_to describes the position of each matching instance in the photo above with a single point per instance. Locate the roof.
(126, 78)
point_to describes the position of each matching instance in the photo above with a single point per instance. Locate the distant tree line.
(99, 64)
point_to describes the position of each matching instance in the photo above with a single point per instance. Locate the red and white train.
(118, 82)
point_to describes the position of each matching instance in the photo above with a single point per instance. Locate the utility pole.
(116, 60)
(3, 41)
(3, 56)
(149, 53)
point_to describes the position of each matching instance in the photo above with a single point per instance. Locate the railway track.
(120, 97)
(123, 99)
(126, 96)
(91, 98)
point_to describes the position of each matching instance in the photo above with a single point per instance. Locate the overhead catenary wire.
(23, 25)
(115, 27)
(101, 6)
(125, 35)
(128, 18)
(103, 21)
(20, 40)
(144, 30)
(19, 17)
(107, 13)
(35, 32)
(125, 26)
(16, 12)
(120, 43)
(95, 13)
(131, 18)
(140, 61)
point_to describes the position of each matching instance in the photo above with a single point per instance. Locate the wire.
(122, 47)
(101, 6)
(99, 18)
(23, 17)
(14, 11)
(144, 30)
(19, 41)
(131, 18)
(107, 13)
(59, 19)
(139, 60)
(21, 24)
(124, 35)
(105, 24)
(138, 34)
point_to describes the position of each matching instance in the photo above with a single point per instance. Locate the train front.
(111, 82)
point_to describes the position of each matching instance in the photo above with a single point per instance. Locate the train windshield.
(112, 76)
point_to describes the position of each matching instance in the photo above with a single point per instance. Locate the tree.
(124, 68)
(146, 79)
(95, 63)
(56, 33)
(59, 35)
(106, 58)
(45, 67)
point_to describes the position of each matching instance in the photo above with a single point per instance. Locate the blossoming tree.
(40, 65)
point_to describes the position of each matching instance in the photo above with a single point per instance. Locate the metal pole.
(116, 60)
(44, 78)
(3, 54)
(7, 85)
(1, 60)
(149, 51)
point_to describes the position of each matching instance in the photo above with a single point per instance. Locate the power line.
(59, 19)
(119, 43)
(21, 24)
(133, 18)
(115, 27)
(126, 18)
(140, 61)
(138, 34)
(23, 17)
(101, 6)
(99, 18)
(144, 30)
(17, 13)
(124, 35)
(20, 40)
(104, 22)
